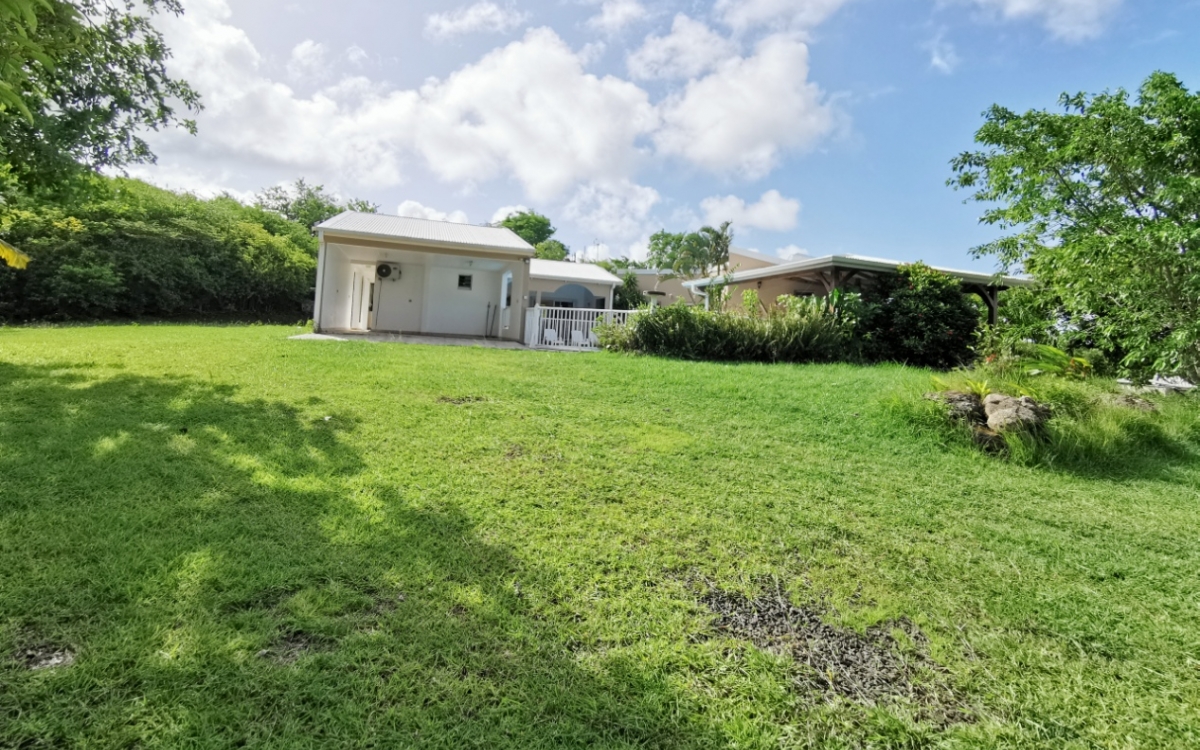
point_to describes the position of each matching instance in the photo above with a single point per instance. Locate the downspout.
(695, 290)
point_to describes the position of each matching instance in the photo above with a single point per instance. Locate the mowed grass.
(248, 541)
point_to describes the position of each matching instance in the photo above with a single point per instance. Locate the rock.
(990, 441)
(964, 407)
(1134, 402)
(1008, 413)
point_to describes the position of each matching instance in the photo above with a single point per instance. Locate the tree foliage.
(308, 204)
(132, 250)
(692, 255)
(1104, 198)
(919, 316)
(530, 226)
(551, 250)
(80, 84)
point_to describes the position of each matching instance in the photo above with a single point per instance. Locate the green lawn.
(243, 540)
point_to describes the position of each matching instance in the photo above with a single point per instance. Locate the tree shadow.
(228, 572)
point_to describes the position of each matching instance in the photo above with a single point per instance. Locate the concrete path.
(396, 338)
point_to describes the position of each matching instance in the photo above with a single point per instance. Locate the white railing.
(568, 327)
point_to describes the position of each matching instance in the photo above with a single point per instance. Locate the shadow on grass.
(227, 572)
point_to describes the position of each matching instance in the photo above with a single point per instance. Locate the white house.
(403, 275)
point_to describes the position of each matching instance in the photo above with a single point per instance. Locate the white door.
(398, 300)
(506, 287)
(360, 300)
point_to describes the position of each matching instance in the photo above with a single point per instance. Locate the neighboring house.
(403, 275)
(663, 288)
(819, 276)
(557, 283)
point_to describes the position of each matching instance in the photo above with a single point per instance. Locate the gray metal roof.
(557, 270)
(426, 232)
(856, 262)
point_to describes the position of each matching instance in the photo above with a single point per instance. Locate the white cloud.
(415, 210)
(780, 14)
(614, 210)
(507, 211)
(792, 252)
(482, 17)
(308, 62)
(773, 212)
(1071, 20)
(356, 55)
(749, 111)
(691, 49)
(528, 110)
(943, 57)
(615, 15)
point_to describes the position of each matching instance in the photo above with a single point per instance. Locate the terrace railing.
(568, 328)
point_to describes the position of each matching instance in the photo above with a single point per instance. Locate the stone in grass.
(989, 440)
(964, 407)
(37, 659)
(1009, 413)
(1130, 401)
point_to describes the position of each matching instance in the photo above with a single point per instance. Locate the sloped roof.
(558, 270)
(426, 232)
(854, 262)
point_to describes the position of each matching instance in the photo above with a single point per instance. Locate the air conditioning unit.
(388, 271)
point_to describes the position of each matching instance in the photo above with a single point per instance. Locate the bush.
(795, 330)
(128, 249)
(919, 317)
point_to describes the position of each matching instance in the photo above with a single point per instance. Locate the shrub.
(795, 330)
(129, 249)
(920, 317)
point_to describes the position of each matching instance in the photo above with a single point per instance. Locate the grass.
(243, 540)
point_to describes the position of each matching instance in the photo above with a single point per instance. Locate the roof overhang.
(830, 263)
(390, 242)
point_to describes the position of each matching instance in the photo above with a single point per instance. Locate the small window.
(464, 281)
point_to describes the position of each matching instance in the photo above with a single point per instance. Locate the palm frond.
(13, 256)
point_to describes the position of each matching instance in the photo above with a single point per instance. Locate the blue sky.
(822, 126)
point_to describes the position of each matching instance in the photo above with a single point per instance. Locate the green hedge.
(131, 250)
(795, 330)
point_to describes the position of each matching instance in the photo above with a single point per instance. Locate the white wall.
(399, 303)
(449, 309)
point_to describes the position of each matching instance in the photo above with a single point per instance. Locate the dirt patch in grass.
(460, 400)
(46, 657)
(869, 668)
(290, 646)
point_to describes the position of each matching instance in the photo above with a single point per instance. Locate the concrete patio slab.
(397, 338)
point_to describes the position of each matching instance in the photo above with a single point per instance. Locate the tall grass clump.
(795, 329)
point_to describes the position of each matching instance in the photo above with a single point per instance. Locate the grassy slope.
(514, 571)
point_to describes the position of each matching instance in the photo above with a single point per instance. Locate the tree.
(629, 295)
(530, 226)
(694, 255)
(80, 83)
(551, 250)
(307, 204)
(919, 316)
(1104, 198)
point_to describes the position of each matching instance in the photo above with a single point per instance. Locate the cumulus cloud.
(943, 57)
(482, 17)
(748, 111)
(529, 110)
(691, 49)
(356, 55)
(741, 15)
(1071, 20)
(308, 62)
(793, 252)
(772, 212)
(613, 209)
(415, 210)
(615, 15)
(504, 212)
